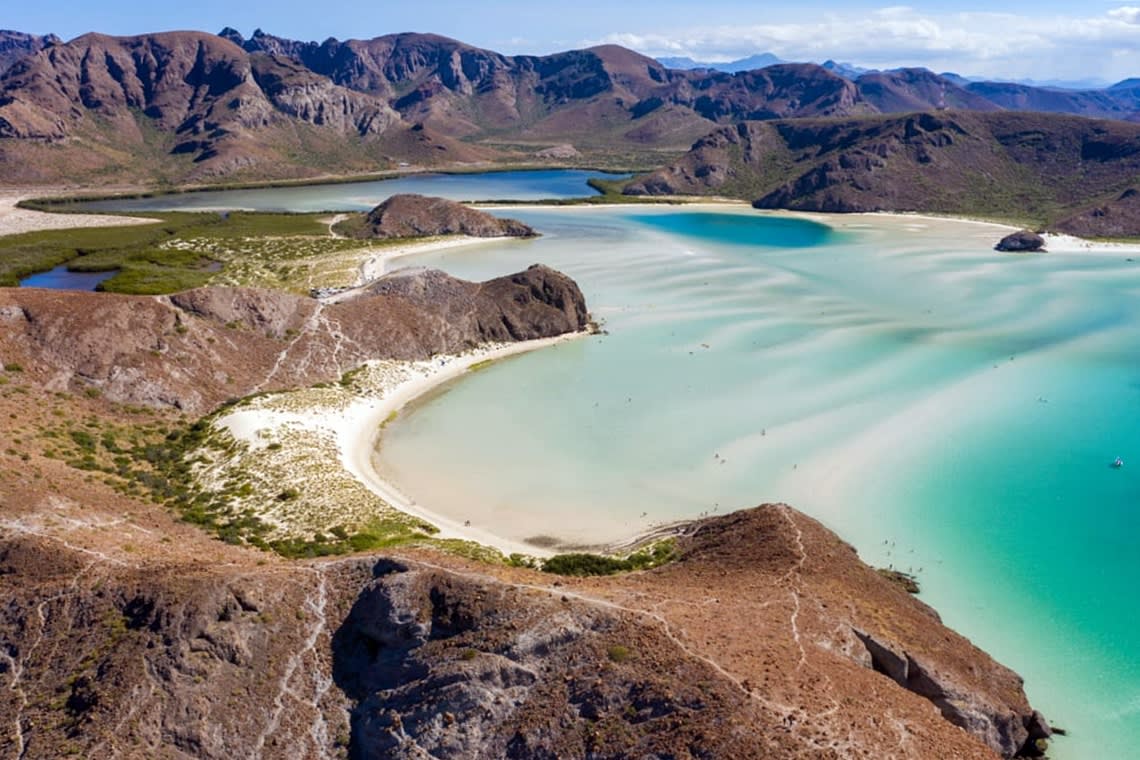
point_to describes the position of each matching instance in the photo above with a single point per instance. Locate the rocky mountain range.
(1071, 174)
(748, 63)
(189, 106)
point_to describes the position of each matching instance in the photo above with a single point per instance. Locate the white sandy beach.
(14, 221)
(356, 426)
(380, 259)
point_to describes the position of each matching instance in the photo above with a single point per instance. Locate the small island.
(412, 216)
(1022, 241)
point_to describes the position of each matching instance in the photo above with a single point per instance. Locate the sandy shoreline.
(376, 261)
(15, 221)
(361, 429)
(356, 426)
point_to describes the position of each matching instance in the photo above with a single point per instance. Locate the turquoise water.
(949, 410)
(61, 278)
(362, 196)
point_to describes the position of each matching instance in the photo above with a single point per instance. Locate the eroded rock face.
(1023, 241)
(536, 303)
(1010, 732)
(411, 215)
(445, 667)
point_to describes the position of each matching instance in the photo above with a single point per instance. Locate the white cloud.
(1129, 14)
(985, 44)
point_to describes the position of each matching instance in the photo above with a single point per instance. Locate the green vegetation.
(584, 564)
(618, 653)
(479, 365)
(156, 460)
(186, 250)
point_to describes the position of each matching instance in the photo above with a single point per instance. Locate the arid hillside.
(1038, 168)
(193, 350)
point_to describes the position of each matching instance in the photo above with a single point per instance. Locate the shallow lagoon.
(362, 196)
(949, 410)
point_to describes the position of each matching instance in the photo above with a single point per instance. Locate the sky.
(1018, 39)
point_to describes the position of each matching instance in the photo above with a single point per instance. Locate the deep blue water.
(62, 279)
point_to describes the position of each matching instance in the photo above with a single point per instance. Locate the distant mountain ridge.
(749, 63)
(190, 106)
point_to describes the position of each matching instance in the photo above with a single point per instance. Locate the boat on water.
(1117, 463)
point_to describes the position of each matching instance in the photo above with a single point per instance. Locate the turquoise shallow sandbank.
(947, 409)
(951, 411)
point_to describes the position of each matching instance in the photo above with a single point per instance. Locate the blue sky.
(1042, 39)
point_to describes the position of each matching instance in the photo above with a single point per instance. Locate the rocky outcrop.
(564, 151)
(297, 92)
(1022, 241)
(536, 303)
(17, 45)
(440, 665)
(194, 350)
(409, 215)
(1013, 733)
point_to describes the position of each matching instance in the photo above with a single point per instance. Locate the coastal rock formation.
(763, 640)
(195, 349)
(950, 162)
(1022, 241)
(410, 215)
(536, 303)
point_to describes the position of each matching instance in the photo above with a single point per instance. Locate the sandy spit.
(14, 221)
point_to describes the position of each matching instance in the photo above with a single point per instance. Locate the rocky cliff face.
(767, 638)
(193, 350)
(17, 45)
(409, 215)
